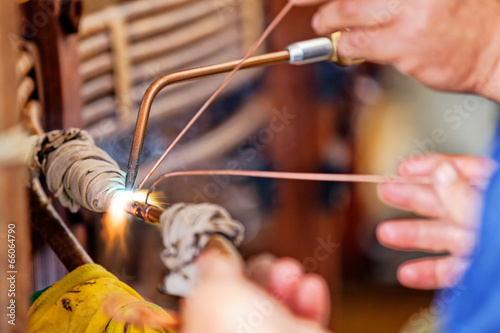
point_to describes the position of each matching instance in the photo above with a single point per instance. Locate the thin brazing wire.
(226, 81)
(295, 176)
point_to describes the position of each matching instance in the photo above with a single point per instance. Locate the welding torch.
(304, 52)
(147, 212)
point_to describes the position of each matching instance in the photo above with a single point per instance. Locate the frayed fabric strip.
(77, 171)
(186, 230)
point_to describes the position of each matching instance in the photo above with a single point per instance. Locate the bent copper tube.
(164, 81)
(304, 52)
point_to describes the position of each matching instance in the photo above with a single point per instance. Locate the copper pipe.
(54, 231)
(164, 81)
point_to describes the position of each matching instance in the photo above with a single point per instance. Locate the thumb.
(213, 295)
(214, 266)
(460, 200)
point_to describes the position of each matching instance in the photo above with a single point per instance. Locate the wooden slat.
(24, 64)
(13, 196)
(24, 91)
(169, 20)
(99, 109)
(207, 51)
(95, 66)
(101, 86)
(96, 22)
(187, 37)
(163, 38)
(93, 45)
(179, 38)
(145, 27)
(104, 85)
(59, 74)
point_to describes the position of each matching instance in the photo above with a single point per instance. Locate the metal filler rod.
(305, 52)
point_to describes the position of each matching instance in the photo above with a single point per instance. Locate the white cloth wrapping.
(16, 146)
(77, 171)
(186, 230)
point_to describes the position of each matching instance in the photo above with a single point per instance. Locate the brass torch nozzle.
(147, 212)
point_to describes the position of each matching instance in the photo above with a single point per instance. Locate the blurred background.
(313, 118)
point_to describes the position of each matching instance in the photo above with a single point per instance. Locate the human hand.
(450, 209)
(451, 45)
(224, 300)
(306, 295)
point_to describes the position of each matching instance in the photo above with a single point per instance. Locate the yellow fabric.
(75, 304)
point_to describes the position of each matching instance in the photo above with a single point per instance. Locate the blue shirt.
(474, 304)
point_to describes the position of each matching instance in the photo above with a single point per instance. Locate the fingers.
(258, 268)
(460, 201)
(432, 273)
(284, 279)
(224, 300)
(341, 14)
(306, 295)
(419, 199)
(372, 43)
(451, 197)
(471, 167)
(425, 235)
(366, 19)
(312, 299)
